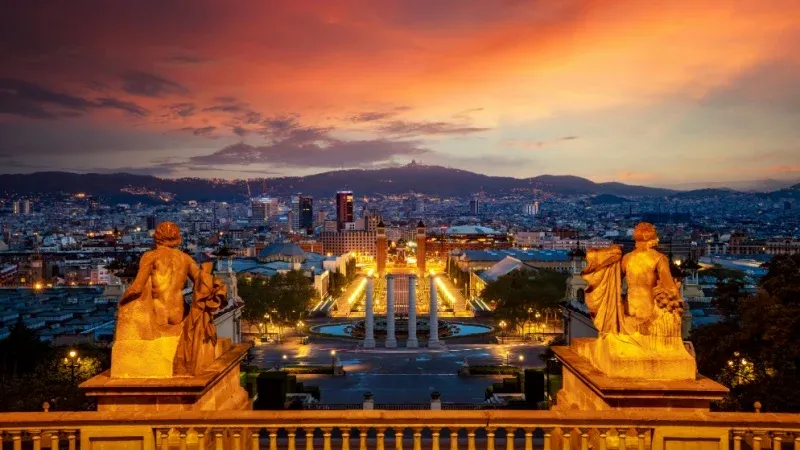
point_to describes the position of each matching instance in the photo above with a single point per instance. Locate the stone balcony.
(412, 430)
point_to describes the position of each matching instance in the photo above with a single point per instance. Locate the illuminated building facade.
(341, 242)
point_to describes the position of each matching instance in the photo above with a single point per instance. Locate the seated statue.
(639, 333)
(157, 334)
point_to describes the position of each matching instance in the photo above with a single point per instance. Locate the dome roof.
(287, 249)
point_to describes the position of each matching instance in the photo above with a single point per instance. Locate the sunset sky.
(661, 93)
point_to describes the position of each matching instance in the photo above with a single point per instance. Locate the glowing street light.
(73, 362)
(333, 359)
(502, 327)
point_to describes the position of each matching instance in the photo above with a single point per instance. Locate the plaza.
(401, 375)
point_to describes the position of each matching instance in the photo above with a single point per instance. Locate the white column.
(369, 321)
(433, 341)
(391, 340)
(412, 312)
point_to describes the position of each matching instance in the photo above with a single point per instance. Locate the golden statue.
(639, 331)
(157, 334)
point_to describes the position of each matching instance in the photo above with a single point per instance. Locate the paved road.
(399, 376)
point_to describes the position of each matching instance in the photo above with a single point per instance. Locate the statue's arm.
(135, 289)
(664, 276)
(194, 269)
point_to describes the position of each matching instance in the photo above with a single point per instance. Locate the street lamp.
(530, 311)
(284, 358)
(72, 361)
(333, 359)
(503, 332)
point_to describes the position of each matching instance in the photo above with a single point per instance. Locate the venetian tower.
(380, 250)
(421, 247)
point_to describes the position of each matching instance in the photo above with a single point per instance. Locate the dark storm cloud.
(150, 85)
(335, 153)
(289, 129)
(407, 128)
(128, 107)
(31, 100)
(240, 112)
(370, 116)
(183, 109)
(239, 131)
(374, 116)
(201, 131)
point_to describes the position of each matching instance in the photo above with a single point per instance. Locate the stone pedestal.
(412, 341)
(391, 339)
(217, 388)
(638, 357)
(433, 339)
(369, 320)
(587, 388)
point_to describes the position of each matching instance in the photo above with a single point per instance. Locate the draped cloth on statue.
(196, 348)
(603, 273)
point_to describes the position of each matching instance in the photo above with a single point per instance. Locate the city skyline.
(610, 91)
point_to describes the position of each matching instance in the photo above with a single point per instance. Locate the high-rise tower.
(344, 208)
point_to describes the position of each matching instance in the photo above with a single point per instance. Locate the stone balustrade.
(412, 430)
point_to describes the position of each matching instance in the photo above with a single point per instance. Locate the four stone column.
(412, 312)
(433, 322)
(391, 339)
(369, 322)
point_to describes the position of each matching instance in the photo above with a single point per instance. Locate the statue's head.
(645, 234)
(168, 235)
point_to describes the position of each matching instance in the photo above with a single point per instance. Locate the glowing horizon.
(657, 93)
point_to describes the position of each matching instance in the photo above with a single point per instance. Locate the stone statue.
(652, 306)
(153, 338)
(644, 326)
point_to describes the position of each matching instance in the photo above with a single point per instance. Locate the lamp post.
(333, 359)
(530, 311)
(284, 358)
(503, 332)
(72, 361)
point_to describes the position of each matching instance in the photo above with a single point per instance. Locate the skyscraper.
(344, 208)
(474, 205)
(302, 212)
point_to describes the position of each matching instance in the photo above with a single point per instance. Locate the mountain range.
(418, 178)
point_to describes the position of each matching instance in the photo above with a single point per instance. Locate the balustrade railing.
(399, 430)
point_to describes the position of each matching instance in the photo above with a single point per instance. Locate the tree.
(336, 283)
(21, 351)
(255, 291)
(521, 290)
(755, 347)
(42, 375)
(285, 297)
(351, 269)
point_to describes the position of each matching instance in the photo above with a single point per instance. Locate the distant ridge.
(423, 179)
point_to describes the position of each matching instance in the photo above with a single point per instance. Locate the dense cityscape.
(399, 224)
